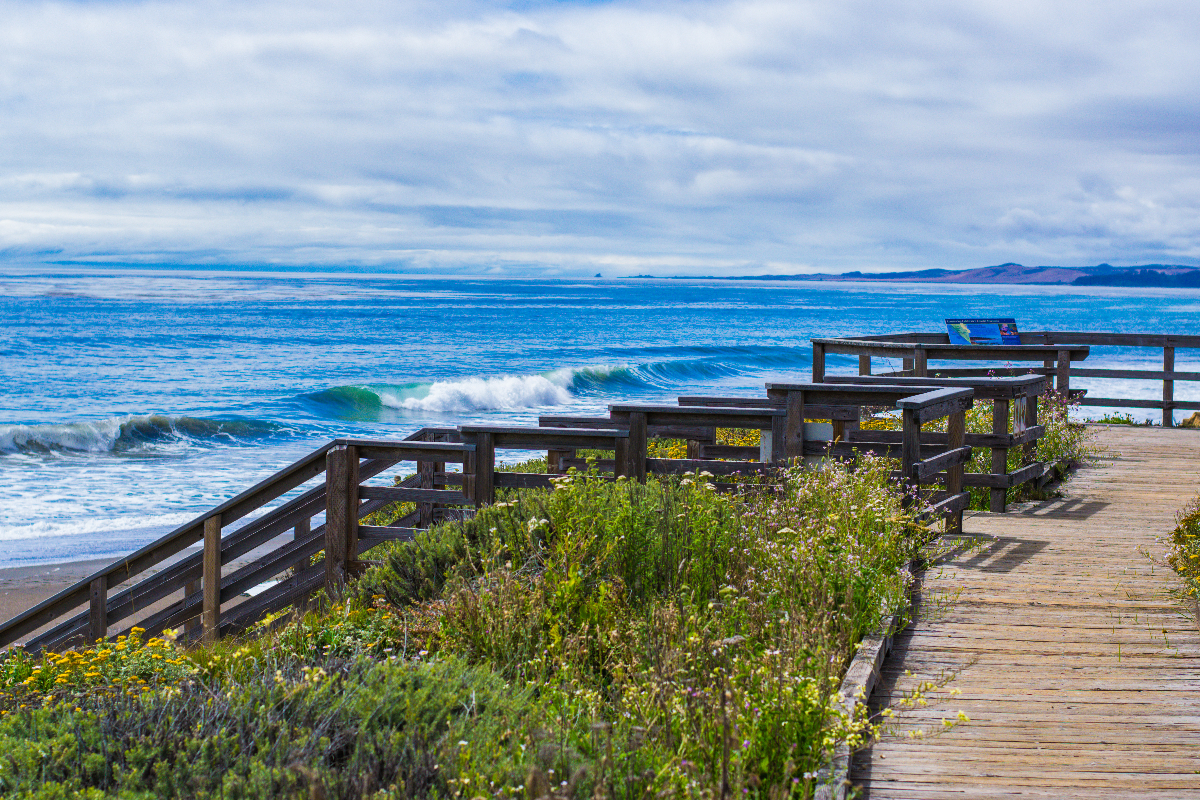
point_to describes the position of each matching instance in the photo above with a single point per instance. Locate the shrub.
(1184, 556)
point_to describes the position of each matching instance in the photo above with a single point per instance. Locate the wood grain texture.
(1078, 672)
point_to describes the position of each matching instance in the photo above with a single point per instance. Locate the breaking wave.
(555, 388)
(132, 433)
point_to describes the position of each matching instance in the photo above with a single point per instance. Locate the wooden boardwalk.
(1080, 676)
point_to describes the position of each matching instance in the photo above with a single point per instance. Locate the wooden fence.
(1056, 350)
(209, 600)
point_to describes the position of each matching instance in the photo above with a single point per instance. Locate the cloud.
(659, 136)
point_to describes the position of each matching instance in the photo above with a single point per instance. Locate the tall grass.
(602, 639)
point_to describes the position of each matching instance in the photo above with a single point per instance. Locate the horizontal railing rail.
(1057, 350)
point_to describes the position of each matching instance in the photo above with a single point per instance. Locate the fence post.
(637, 446)
(1031, 421)
(554, 459)
(910, 453)
(778, 451)
(906, 366)
(864, 365)
(1168, 387)
(485, 469)
(98, 610)
(999, 496)
(211, 616)
(425, 473)
(818, 368)
(338, 511)
(793, 431)
(956, 430)
(1048, 367)
(1064, 374)
(920, 363)
(621, 464)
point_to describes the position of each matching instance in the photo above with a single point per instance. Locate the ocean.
(132, 401)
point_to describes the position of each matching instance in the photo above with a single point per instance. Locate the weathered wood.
(193, 595)
(848, 412)
(385, 533)
(338, 510)
(683, 466)
(212, 577)
(818, 362)
(793, 434)
(523, 480)
(864, 365)
(637, 446)
(910, 452)
(738, 418)
(1138, 374)
(1077, 672)
(925, 470)
(1120, 402)
(998, 497)
(1063, 379)
(934, 352)
(1168, 417)
(986, 388)
(510, 437)
(601, 464)
(1031, 434)
(933, 405)
(774, 449)
(485, 468)
(920, 363)
(746, 453)
(956, 428)
(408, 450)
(395, 494)
(98, 610)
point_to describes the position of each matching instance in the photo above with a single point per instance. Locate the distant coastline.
(1164, 275)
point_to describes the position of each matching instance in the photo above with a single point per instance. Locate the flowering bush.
(1184, 555)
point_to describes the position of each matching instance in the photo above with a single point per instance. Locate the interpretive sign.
(983, 331)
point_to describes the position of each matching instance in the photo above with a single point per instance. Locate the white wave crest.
(489, 394)
(89, 437)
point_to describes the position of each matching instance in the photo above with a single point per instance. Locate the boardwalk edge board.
(857, 685)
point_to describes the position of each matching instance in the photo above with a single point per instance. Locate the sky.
(542, 138)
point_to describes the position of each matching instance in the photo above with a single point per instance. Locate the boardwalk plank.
(1080, 676)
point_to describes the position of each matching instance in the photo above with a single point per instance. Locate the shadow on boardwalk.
(1078, 673)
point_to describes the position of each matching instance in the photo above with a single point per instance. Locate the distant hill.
(1169, 275)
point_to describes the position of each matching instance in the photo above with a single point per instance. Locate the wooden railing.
(198, 576)
(209, 601)
(1056, 350)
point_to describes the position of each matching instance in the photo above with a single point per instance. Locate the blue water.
(131, 402)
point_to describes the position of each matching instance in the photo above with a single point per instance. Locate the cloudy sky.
(623, 137)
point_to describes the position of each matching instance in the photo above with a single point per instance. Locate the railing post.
(426, 470)
(211, 616)
(906, 366)
(637, 446)
(778, 450)
(1048, 366)
(999, 496)
(1168, 387)
(485, 469)
(1064, 374)
(818, 367)
(338, 511)
(920, 363)
(621, 465)
(98, 610)
(910, 453)
(793, 430)
(303, 528)
(554, 459)
(956, 430)
(864, 365)
(1031, 421)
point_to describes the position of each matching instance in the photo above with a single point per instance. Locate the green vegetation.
(601, 639)
(1184, 556)
(1117, 418)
